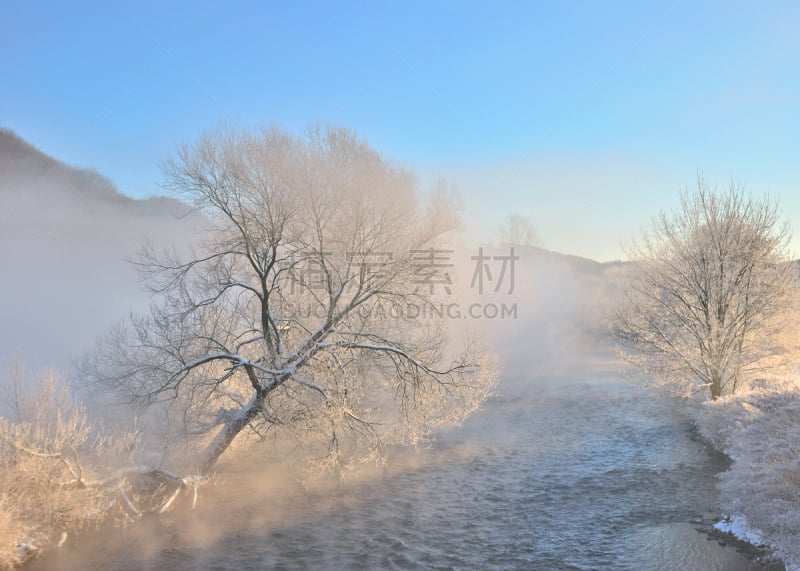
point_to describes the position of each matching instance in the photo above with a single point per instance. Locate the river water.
(569, 467)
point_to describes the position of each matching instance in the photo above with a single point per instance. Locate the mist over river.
(570, 467)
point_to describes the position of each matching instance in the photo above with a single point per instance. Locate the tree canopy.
(288, 318)
(712, 291)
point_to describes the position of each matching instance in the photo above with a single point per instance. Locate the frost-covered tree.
(517, 230)
(293, 316)
(712, 293)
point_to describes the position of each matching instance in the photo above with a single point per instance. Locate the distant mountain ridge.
(579, 263)
(20, 161)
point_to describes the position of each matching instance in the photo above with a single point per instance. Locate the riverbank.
(759, 430)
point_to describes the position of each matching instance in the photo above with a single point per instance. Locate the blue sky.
(588, 117)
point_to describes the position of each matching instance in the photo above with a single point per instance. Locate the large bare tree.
(712, 292)
(293, 317)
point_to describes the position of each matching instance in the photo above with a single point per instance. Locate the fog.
(66, 238)
(511, 488)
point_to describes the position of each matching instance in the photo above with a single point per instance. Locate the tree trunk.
(716, 386)
(230, 430)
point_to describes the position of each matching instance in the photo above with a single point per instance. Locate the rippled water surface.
(574, 469)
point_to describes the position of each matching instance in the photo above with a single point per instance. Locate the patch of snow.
(26, 547)
(737, 526)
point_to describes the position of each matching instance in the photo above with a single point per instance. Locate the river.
(568, 467)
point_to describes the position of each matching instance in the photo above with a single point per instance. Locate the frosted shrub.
(53, 462)
(9, 530)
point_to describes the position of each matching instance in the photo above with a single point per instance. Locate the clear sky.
(587, 117)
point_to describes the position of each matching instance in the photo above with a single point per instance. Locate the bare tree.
(291, 318)
(517, 230)
(712, 292)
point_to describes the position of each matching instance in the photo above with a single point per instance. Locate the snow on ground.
(759, 429)
(737, 526)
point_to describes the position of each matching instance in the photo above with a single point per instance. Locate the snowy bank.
(759, 429)
(737, 526)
